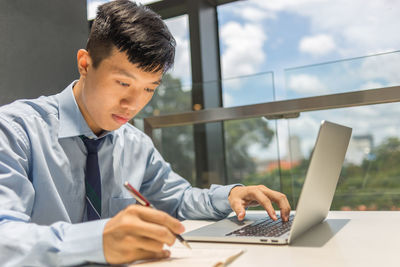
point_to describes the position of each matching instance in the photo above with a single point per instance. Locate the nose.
(128, 104)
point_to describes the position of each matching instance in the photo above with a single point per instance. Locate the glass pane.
(251, 152)
(176, 146)
(92, 7)
(175, 92)
(259, 36)
(179, 28)
(93, 4)
(247, 90)
(370, 177)
(145, 2)
(342, 76)
(170, 97)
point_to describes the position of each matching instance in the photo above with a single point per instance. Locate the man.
(53, 211)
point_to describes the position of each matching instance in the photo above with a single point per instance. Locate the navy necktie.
(92, 179)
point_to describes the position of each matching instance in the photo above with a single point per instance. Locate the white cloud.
(92, 7)
(253, 14)
(358, 28)
(179, 28)
(380, 121)
(144, 2)
(317, 45)
(93, 4)
(244, 48)
(374, 30)
(384, 67)
(306, 128)
(306, 84)
(370, 85)
(182, 67)
(227, 100)
(279, 5)
(366, 111)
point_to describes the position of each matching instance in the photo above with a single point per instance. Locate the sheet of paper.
(181, 256)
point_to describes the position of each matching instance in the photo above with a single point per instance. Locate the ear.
(84, 61)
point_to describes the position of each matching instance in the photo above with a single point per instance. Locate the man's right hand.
(137, 233)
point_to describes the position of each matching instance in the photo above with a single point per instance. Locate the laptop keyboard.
(265, 227)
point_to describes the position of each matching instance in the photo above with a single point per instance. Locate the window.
(93, 4)
(310, 50)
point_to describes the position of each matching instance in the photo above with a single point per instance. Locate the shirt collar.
(71, 119)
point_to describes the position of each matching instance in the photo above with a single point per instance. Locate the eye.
(149, 90)
(123, 84)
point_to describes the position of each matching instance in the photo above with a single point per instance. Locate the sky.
(315, 47)
(299, 48)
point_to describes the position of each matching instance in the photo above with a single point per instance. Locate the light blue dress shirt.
(42, 188)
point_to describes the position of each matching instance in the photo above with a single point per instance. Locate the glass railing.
(370, 177)
(174, 97)
(355, 74)
(276, 152)
(176, 145)
(170, 97)
(248, 90)
(252, 155)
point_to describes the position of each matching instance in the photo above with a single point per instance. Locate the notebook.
(314, 202)
(182, 256)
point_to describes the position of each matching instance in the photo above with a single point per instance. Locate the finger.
(160, 217)
(239, 209)
(141, 254)
(280, 199)
(285, 210)
(149, 244)
(265, 202)
(153, 231)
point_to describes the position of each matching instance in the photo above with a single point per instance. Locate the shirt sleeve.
(22, 242)
(173, 194)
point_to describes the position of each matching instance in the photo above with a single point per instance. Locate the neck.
(77, 90)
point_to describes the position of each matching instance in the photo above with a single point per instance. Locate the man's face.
(114, 92)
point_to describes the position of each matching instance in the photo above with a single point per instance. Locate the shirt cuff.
(83, 243)
(219, 198)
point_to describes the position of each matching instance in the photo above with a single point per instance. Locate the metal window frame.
(205, 65)
(208, 124)
(174, 8)
(276, 109)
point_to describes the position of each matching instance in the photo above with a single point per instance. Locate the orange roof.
(284, 164)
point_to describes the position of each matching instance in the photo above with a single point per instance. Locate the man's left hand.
(241, 197)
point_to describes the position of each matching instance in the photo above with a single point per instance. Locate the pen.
(143, 201)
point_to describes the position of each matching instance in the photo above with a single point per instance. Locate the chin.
(115, 126)
(110, 129)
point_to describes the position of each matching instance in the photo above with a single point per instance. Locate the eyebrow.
(125, 73)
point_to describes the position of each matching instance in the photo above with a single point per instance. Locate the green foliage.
(169, 98)
(374, 184)
(174, 143)
(239, 136)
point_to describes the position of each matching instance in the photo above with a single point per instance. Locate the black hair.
(134, 29)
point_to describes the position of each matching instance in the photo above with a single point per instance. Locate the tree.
(239, 136)
(176, 143)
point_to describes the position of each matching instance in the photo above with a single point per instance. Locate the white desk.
(346, 238)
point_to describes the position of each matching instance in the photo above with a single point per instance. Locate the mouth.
(120, 119)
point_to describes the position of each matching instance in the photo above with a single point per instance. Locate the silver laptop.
(313, 205)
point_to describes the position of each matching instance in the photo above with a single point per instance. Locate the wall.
(38, 44)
